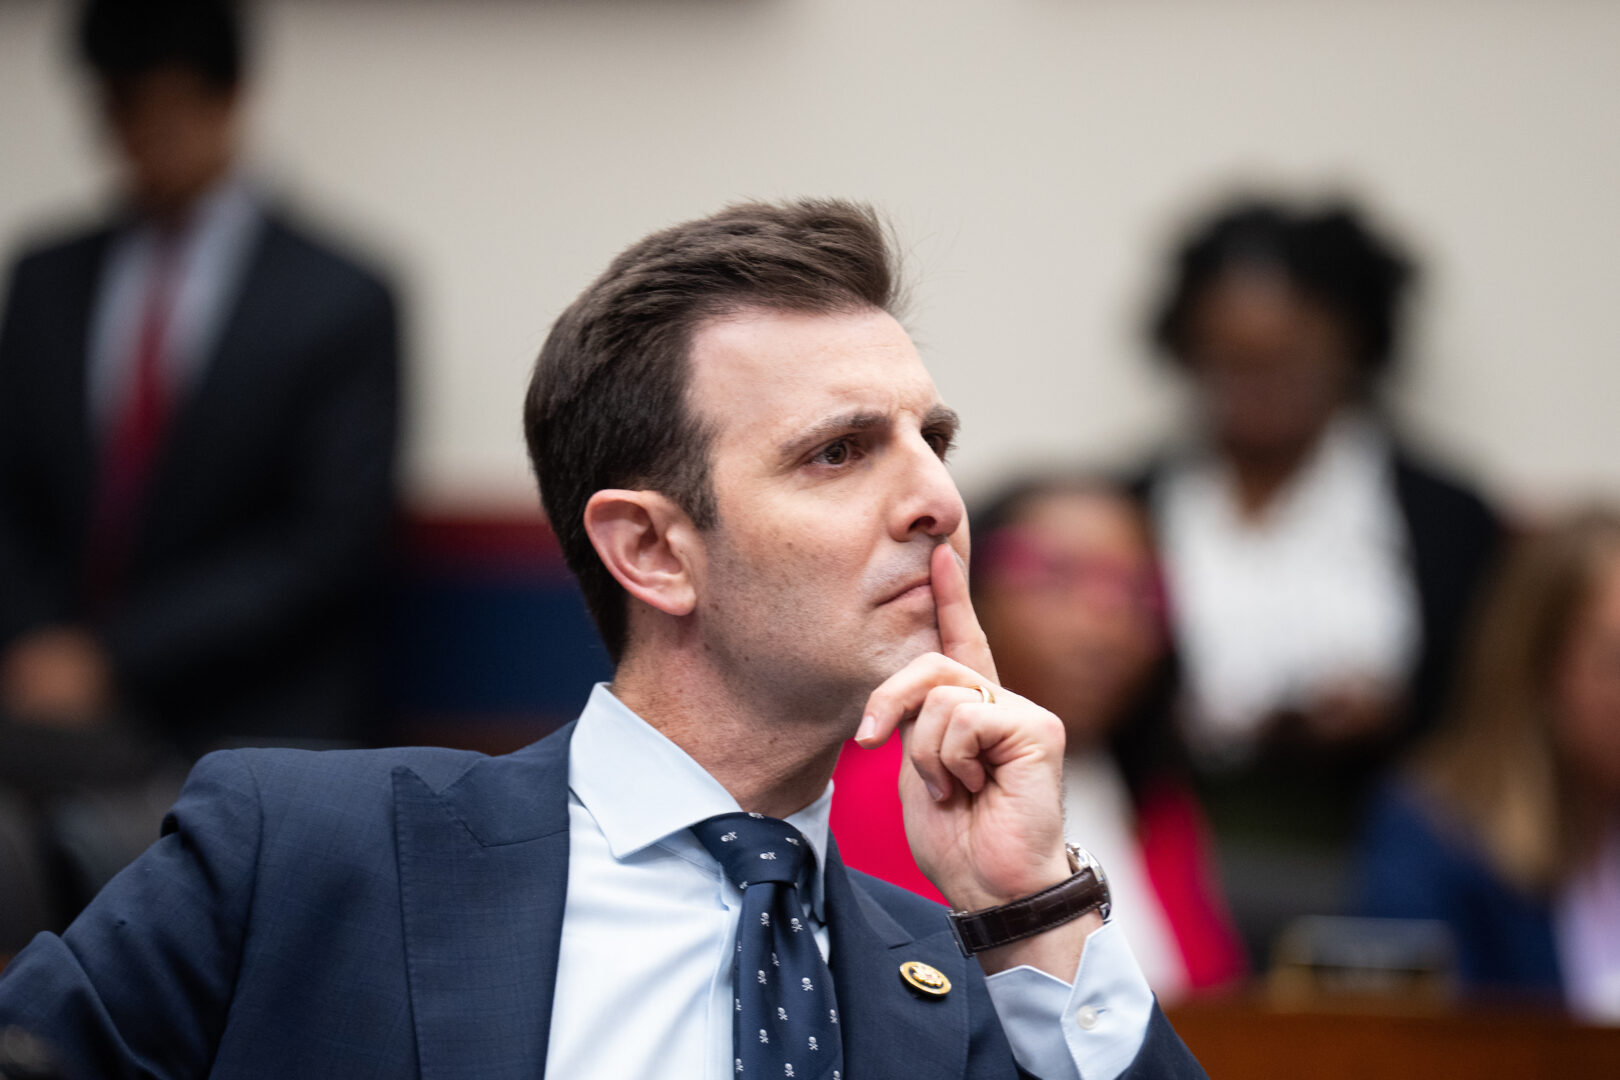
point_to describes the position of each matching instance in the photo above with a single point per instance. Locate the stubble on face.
(792, 644)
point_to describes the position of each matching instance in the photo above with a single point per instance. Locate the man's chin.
(904, 651)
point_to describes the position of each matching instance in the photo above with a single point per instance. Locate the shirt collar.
(641, 788)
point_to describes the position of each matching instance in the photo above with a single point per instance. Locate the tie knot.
(753, 848)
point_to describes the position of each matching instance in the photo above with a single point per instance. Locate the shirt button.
(1086, 1017)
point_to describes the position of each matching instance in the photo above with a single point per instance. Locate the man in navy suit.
(744, 460)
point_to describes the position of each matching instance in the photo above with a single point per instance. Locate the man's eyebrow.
(830, 428)
(940, 416)
(943, 416)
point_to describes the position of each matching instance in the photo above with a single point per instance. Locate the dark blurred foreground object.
(1506, 826)
(1319, 571)
(75, 807)
(198, 424)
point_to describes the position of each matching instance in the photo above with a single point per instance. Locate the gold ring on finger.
(986, 695)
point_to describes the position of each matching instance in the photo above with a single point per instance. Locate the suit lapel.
(889, 1029)
(483, 880)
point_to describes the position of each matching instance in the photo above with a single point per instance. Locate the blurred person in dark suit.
(1506, 825)
(198, 423)
(1319, 570)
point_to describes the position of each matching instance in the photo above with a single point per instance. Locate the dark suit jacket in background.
(253, 576)
(1456, 542)
(398, 913)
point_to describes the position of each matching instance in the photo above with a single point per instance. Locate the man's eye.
(941, 442)
(834, 453)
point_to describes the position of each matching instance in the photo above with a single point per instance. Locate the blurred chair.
(1506, 824)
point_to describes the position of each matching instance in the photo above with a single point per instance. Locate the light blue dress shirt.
(649, 928)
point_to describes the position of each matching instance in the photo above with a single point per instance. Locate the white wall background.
(1036, 156)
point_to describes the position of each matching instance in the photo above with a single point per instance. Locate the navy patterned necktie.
(785, 1018)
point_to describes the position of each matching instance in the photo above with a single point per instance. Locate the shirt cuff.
(1091, 1030)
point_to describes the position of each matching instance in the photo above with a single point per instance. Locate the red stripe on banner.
(515, 542)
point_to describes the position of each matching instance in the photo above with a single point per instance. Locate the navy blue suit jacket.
(397, 913)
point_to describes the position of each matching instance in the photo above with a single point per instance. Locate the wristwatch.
(1086, 889)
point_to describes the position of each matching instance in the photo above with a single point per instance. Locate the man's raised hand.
(980, 782)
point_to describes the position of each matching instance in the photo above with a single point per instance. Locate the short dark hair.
(1328, 253)
(607, 403)
(120, 39)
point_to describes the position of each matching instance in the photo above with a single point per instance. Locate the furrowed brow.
(830, 428)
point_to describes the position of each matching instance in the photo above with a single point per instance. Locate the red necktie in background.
(135, 433)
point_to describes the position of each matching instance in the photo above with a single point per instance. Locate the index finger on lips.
(961, 638)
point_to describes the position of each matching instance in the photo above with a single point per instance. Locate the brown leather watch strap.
(1085, 890)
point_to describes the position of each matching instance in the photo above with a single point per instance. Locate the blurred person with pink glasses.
(1067, 589)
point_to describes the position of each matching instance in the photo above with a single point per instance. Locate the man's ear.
(640, 536)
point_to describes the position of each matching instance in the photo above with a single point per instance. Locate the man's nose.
(927, 502)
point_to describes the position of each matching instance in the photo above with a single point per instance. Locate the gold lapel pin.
(929, 980)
